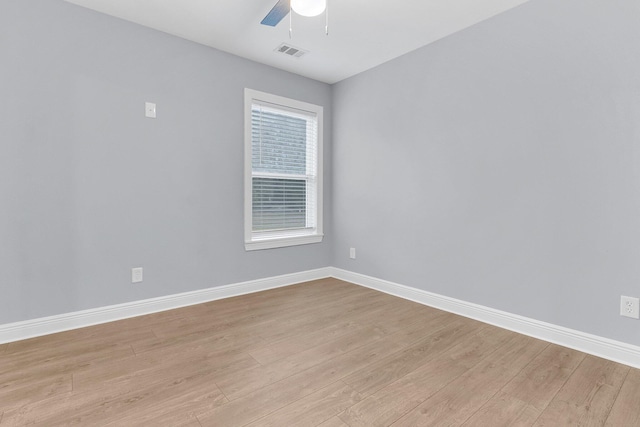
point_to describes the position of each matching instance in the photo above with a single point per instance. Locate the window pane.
(283, 175)
(279, 203)
(279, 143)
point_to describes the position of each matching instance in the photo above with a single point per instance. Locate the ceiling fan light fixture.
(308, 7)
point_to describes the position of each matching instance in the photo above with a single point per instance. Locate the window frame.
(268, 240)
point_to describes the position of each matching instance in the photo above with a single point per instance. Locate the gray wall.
(501, 165)
(90, 188)
(498, 166)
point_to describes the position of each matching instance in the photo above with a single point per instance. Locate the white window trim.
(256, 241)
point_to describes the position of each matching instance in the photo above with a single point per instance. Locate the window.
(283, 171)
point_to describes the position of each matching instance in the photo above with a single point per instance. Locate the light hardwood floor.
(324, 353)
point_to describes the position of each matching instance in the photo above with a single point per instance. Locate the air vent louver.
(289, 50)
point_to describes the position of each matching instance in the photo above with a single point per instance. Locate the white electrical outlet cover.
(630, 307)
(136, 275)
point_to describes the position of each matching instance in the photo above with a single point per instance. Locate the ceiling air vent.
(289, 50)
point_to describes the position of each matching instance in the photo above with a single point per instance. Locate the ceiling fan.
(301, 7)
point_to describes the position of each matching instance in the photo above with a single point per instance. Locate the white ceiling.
(362, 33)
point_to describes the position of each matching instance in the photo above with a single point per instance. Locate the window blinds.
(283, 170)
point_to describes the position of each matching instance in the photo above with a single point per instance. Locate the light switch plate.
(150, 110)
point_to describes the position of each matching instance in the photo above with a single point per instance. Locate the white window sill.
(282, 242)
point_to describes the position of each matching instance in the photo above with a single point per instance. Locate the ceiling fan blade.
(279, 11)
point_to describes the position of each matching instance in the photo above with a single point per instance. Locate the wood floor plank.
(99, 335)
(172, 420)
(459, 399)
(256, 326)
(539, 382)
(248, 322)
(525, 398)
(268, 399)
(61, 354)
(214, 363)
(388, 404)
(318, 317)
(124, 402)
(149, 321)
(290, 342)
(177, 407)
(313, 409)
(399, 397)
(12, 396)
(324, 352)
(244, 382)
(333, 422)
(228, 314)
(626, 409)
(218, 338)
(279, 349)
(397, 314)
(295, 343)
(375, 377)
(16, 372)
(244, 312)
(260, 403)
(504, 410)
(36, 411)
(587, 397)
(236, 340)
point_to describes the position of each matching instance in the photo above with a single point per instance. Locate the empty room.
(319, 213)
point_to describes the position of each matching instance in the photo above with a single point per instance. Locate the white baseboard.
(48, 325)
(592, 344)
